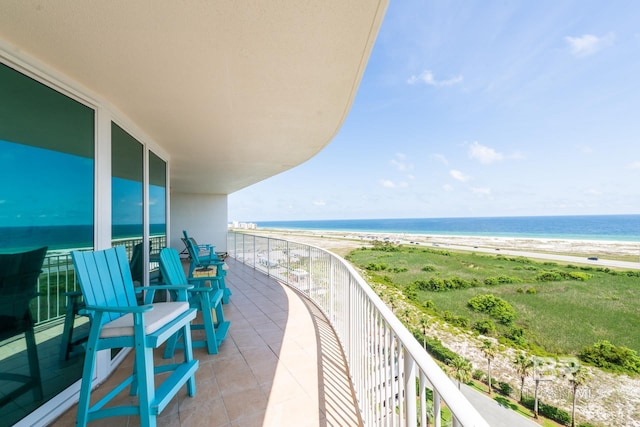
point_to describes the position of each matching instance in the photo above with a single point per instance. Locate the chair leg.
(87, 374)
(34, 363)
(67, 331)
(172, 343)
(222, 284)
(188, 357)
(146, 387)
(209, 327)
(219, 315)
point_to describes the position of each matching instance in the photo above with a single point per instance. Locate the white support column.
(410, 390)
(437, 416)
(423, 399)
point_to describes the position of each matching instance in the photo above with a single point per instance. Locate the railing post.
(410, 390)
(288, 262)
(268, 256)
(423, 400)
(437, 416)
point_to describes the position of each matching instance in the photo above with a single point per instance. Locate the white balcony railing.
(58, 278)
(388, 367)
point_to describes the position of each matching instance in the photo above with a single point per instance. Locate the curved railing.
(388, 366)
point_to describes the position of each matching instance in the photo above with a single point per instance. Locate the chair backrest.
(136, 263)
(171, 267)
(105, 279)
(192, 249)
(19, 274)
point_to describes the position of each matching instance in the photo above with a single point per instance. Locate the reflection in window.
(126, 197)
(47, 176)
(157, 202)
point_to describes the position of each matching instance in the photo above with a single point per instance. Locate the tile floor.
(281, 365)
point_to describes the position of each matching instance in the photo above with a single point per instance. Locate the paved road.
(493, 413)
(563, 258)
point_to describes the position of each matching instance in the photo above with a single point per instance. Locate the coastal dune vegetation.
(547, 308)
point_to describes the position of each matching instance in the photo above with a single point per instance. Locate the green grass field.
(561, 316)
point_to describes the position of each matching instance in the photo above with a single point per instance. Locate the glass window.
(127, 164)
(157, 203)
(46, 200)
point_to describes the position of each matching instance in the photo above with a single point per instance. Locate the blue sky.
(485, 108)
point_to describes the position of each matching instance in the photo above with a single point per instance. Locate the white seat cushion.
(162, 313)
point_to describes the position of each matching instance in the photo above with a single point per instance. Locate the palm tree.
(406, 313)
(523, 366)
(461, 369)
(537, 363)
(423, 324)
(577, 377)
(489, 349)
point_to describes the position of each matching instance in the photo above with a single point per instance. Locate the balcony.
(280, 365)
(310, 344)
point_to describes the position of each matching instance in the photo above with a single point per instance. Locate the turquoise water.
(65, 236)
(588, 227)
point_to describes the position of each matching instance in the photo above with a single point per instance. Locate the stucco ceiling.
(233, 91)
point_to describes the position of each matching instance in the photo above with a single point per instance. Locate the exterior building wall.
(204, 216)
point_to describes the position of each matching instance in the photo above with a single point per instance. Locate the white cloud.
(484, 154)
(458, 176)
(319, 202)
(585, 149)
(633, 165)
(593, 192)
(447, 187)
(427, 77)
(483, 191)
(387, 183)
(400, 163)
(440, 158)
(588, 44)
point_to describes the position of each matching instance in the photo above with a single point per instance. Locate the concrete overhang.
(234, 91)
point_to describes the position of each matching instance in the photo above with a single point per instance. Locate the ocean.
(65, 236)
(624, 228)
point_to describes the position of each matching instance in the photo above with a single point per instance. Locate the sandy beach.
(340, 241)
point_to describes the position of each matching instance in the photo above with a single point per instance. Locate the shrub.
(505, 388)
(485, 327)
(519, 290)
(478, 375)
(605, 355)
(435, 347)
(516, 334)
(579, 275)
(373, 266)
(461, 321)
(490, 281)
(548, 276)
(551, 412)
(532, 291)
(436, 284)
(428, 268)
(493, 306)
